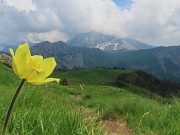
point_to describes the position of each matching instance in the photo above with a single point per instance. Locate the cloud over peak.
(151, 21)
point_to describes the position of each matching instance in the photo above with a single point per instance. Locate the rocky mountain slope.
(106, 42)
(68, 57)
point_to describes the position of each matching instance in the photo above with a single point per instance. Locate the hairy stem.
(11, 106)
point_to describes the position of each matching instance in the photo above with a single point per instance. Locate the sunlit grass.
(39, 111)
(143, 115)
(54, 109)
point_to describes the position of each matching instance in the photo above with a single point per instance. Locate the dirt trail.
(109, 126)
(113, 127)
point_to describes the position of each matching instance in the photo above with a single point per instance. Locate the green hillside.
(90, 104)
(96, 76)
(132, 80)
(39, 110)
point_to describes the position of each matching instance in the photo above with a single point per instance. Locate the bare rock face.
(6, 59)
(106, 42)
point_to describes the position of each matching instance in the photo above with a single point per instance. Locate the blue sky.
(155, 22)
(123, 3)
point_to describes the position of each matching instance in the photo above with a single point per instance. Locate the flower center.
(33, 63)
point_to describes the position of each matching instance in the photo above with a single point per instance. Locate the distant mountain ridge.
(163, 62)
(106, 42)
(70, 58)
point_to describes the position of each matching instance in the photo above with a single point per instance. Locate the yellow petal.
(13, 62)
(37, 58)
(26, 72)
(46, 81)
(22, 55)
(14, 67)
(48, 66)
(11, 52)
(36, 76)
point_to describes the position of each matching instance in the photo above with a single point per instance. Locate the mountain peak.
(105, 42)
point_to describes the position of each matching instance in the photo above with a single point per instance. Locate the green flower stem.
(11, 106)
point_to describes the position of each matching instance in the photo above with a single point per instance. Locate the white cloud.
(21, 5)
(52, 36)
(151, 21)
(85, 15)
(155, 22)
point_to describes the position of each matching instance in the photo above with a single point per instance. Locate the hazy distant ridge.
(106, 42)
(162, 62)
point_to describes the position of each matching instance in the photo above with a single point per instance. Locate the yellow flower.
(34, 69)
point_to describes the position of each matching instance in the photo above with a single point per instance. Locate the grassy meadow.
(89, 105)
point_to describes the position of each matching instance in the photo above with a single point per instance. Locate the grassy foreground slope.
(38, 110)
(94, 89)
(89, 105)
